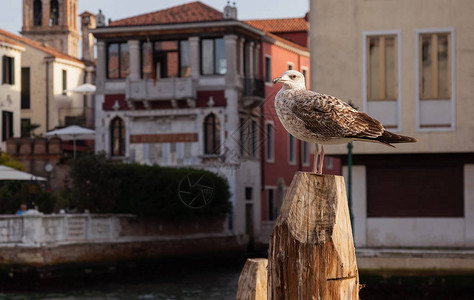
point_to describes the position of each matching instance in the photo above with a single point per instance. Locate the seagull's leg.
(321, 160)
(315, 162)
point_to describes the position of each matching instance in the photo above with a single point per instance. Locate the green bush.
(139, 189)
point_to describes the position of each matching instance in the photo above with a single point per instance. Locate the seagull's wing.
(328, 116)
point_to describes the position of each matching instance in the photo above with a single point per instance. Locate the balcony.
(253, 92)
(163, 89)
(80, 116)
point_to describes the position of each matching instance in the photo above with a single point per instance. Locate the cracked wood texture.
(253, 280)
(311, 253)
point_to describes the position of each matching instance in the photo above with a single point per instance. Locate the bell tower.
(53, 23)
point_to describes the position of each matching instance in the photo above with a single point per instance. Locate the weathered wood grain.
(253, 280)
(311, 253)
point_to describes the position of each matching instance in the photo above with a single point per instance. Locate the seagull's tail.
(390, 138)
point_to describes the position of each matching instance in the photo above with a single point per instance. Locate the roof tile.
(49, 50)
(186, 13)
(280, 25)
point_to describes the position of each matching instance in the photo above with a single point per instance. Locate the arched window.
(117, 137)
(212, 137)
(53, 13)
(37, 12)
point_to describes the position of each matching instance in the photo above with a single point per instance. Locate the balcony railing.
(80, 116)
(254, 88)
(162, 89)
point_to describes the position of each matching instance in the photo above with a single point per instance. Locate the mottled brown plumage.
(324, 119)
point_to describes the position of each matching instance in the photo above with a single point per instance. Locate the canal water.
(213, 279)
(200, 281)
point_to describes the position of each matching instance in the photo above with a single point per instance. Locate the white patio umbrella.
(7, 173)
(85, 89)
(73, 133)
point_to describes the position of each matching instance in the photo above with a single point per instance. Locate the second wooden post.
(311, 253)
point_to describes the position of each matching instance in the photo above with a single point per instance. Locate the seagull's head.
(291, 79)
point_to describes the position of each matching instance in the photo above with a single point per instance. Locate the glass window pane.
(147, 60)
(207, 55)
(268, 69)
(172, 64)
(113, 62)
(124, 60)
(374, 76)
(390, 68)
(221, 60)
(185, 59)
(443, 66)
(269, 141)
(426, 67)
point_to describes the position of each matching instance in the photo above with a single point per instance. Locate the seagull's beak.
(277, 80)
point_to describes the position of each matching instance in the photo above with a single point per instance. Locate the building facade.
(52, 23)
(45, 74)
(189, 86)
(10, 94)
(408, 64)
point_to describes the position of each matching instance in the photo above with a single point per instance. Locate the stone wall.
(34, 239)
(36, 153)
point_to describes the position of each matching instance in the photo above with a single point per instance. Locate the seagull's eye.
(293, 76)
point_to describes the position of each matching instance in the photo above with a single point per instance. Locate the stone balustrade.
(37, 229)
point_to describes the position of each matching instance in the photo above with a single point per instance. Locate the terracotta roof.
(186, 13)
(49, 50)
(288, 42)
(280, 25)
(9, 41)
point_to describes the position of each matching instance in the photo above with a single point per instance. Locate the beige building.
(46, 73)
(10, 65)
(409, 64)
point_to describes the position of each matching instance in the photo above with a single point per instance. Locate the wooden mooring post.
(311, 253)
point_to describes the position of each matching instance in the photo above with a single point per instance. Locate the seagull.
(323, 119)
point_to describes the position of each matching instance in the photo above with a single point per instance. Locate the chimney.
(87, 23)
(230, 12)
(100, 19)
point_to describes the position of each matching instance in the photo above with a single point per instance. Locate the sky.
(11, 10)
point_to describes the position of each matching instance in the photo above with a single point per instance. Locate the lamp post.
(349, 182)
(349, 176)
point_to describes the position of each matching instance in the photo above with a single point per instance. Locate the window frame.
(291, 159)
(214, 65)
(120, 76)
(7, 129)
(25, 91)
(365, 104)
(37, 9)
(8, 70)
(269, 142)
(153, 57)
(121, 137)
(64, 81)
(435, 76)
(216, 135)
(268, 69)
(452, 99)
(382, 89)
